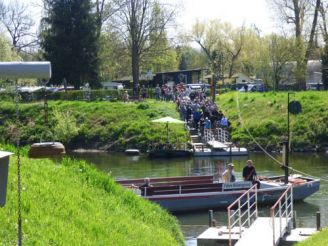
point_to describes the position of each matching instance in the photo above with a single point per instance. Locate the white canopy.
(25, 70)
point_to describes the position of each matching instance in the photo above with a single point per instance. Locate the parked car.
(252, 88)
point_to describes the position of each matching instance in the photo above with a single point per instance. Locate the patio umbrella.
(168, 120)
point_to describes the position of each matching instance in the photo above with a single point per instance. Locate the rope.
(265, 151)
(19, 186)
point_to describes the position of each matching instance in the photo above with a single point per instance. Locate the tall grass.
(70, 203)
(265, 115)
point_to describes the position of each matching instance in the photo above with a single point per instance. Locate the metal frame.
(284, 211)
(251, 203)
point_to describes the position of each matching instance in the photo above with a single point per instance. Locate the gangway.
(264, 231)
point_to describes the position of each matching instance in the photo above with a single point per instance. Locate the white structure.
(4, 163)
(242, 78)
(112, 86)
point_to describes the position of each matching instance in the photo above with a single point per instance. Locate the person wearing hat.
(229, 175)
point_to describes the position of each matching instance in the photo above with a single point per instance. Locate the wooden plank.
(260, 233)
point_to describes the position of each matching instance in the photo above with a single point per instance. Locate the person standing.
(249, 173)
(229, 175)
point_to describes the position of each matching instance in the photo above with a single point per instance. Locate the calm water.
(121, 166)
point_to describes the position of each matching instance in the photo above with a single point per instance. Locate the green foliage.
(65, 126)
(99, 124)
(265, 115)
(69, 40)
(74, 204)
(318, 239)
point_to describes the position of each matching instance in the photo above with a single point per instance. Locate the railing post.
(229, 226)
(280, 217)
(272, 212)
(180, 189)
(248, 210)
(239, 215)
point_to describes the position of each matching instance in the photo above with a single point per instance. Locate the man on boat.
(229, 175)
(144, 187)
(249, 173)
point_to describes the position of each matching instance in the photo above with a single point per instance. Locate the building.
(191, 76)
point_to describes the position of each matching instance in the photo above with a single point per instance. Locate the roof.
(5, 154)
(182, 71)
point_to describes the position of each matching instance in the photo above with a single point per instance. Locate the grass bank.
(265, 115)
(71, 203)
(100, 125)
(319, 239)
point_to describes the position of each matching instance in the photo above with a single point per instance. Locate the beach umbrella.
(168, 120)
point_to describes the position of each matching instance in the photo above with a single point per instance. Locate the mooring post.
(210, 217)
(318, 221)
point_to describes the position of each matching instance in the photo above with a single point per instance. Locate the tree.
(137, 25)
(19, 25)
(69, 40)
(280, 52)
(325, 66)
(297, 12)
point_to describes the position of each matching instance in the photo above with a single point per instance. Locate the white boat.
(215, 148)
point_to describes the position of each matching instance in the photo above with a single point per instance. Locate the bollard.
(318, 221)
(294, 220)
(210, 217)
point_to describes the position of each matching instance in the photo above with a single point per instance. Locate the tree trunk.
(135, 68)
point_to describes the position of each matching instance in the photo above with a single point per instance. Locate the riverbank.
(108, 126)
(319, 239)
(265, 115)
(68, 202)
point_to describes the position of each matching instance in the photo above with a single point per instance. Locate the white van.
(112, 86)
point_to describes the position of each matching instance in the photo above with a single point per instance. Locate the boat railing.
(223, 135)
(245, 211)
(282, 210)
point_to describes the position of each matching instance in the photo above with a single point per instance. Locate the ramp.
(260, 232)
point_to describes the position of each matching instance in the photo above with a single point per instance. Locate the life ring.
(46, 149)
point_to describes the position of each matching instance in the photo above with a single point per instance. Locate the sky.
(237, 12)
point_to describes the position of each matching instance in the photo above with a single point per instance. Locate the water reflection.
(121, 166)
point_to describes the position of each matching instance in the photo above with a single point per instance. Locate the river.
(192, 224)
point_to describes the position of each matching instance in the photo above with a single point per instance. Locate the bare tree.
(19, 24)
(136, 24)
(298, 13)
(104, 10)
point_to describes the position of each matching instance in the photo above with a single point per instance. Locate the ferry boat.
(183, 194)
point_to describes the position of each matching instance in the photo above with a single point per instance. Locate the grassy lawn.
(70, 203)
(106, 125)
(319, 239)
(265, 115)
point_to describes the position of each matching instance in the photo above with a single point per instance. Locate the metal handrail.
(285, 210)
(248, 212)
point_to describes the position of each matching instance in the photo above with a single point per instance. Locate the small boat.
(132, 152)
(215, 148)
(46, 149)
(165, 153)
(182, 194)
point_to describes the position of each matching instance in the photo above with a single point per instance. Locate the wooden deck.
(261, 234)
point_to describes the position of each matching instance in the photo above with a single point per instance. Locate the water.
(192, 224)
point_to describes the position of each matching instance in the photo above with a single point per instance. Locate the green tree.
(325, 66)
(69, 40)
